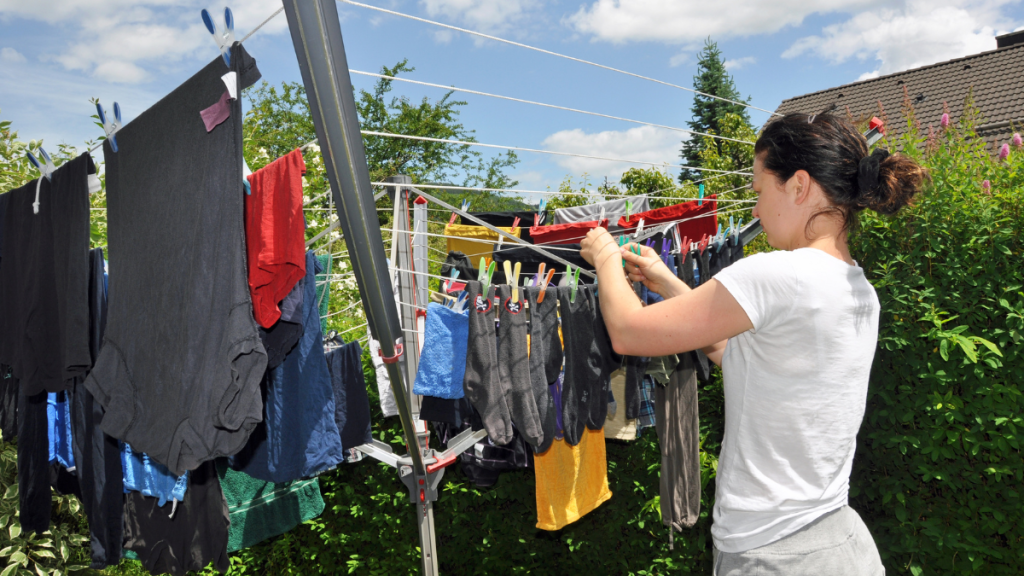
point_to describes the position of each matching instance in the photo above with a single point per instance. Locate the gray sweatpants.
(837, 544)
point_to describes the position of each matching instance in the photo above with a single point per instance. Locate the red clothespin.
(703, 243)
(684, 247)
(451, 222)
(515, 223)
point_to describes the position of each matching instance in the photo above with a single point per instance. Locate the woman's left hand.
(598, 244)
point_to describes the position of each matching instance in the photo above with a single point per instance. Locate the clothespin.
(540, 208)
(544, 285)
(629, 209)
(539, 274)
(703, 243)
(501, 240)
(639, 229)
(490, 276)
(601, 217)
(666, 245)
(465, 208)
(515, 281)
(574, 283)
(684, 246)
(46, 170)
(482, 271)
(700, 196)
(448, 284)
(515, 223)
(622, 242)
(649, 243)
(507, 266)
(110, 127)
(736, 230)
(223, 39)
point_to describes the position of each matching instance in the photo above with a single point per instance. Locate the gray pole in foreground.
(316, 35)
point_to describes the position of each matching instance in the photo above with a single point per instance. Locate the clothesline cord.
(549, 52)
(554, 106)
(262, 24)
(544, 192)
(535, 150)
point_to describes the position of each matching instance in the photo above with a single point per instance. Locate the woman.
(795, 334)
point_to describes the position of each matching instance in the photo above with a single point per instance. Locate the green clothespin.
(700, 197)
(622, 241)
(490, 275)
(629, 209)
(574, 283)
(482, 271)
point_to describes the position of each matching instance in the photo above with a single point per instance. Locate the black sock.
(704, 266)
(600, 356)
(483, 387)
(636, 367)
(580, 371)
(545, 359)
(514, 366)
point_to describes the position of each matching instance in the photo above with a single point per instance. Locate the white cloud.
(737, 63)
(915, 34)
(122, 40)
(481, 15)
(11, 55)
(643, 143)
(680, 59)
(675, 21)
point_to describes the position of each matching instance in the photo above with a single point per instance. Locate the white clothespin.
(639, 229)
(46, 170)
(110, 127)
(601, 217)
(223, 39)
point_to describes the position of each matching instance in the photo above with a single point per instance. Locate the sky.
(57, 54)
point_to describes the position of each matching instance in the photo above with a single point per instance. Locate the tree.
(707, 113)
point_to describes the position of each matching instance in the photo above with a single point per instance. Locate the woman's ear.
(799, 186)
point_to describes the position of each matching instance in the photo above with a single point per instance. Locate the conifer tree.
(707, 113)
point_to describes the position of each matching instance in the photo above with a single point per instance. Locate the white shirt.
(795, 391)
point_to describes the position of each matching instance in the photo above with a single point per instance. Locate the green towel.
(323, 293)
(261, 510)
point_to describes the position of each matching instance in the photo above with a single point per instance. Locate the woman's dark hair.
(836, 156)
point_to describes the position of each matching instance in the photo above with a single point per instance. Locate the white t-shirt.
(795, 391)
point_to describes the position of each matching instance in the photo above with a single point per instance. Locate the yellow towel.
(571, 480)
(465, 235)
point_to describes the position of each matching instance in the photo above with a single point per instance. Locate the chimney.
(1011, 39)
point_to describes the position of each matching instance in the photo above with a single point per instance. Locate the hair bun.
(887, 182)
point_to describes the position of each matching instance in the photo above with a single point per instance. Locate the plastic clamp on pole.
(399, 348)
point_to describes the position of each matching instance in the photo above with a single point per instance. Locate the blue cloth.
(298, 437)
(59, 428)
(141, 474)
(351, 404)
(443, 360)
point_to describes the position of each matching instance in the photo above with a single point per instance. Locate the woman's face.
(773, 206)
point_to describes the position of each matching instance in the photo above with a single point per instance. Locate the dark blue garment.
(141, 474)
(59, 430)
(352, 405)
(298, 437)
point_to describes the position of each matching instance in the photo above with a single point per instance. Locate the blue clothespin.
(223, 39)
(731, 225)
(649, 243)
(448, 284)
(110, 127)
(666, 250)
(465, 205)
(736, 230)
(700, 197)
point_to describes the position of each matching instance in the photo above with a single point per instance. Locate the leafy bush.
(938, 471)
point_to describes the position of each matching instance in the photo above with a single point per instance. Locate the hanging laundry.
(33, 464)
(260, 510)
(190, 539)
(531, 259)
(8, 404)
(572, 481)
(485, 461)
(351, 404)
(58, 423)
(299, 436)
(475, 242)
(442, 366)
(460, 262)
(275, 234)
(323, 287)
(143, 475)
(699, 220)
(545, 360)
(387, 398)
(569, 233)
(618, 426)
(180, 367)
(507, 219)
(281, 338)
(482, 383)
(588, 357)
(44, 279)
(3, 219)
(646, 419)
(514, 366)
(678, 427)
(98, 456)
(613, 209)
(661, 367)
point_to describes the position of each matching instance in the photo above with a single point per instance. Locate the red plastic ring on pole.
(399, 348)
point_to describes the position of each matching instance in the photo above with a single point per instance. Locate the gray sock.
(582, 368)
(602, 357)
(545, 359)
(514, 366)
(677, 422)
(483, 388)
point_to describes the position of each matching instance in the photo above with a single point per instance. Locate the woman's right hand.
(648, 268)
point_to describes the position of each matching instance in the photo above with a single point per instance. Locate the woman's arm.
(715, 351)
(690, 320)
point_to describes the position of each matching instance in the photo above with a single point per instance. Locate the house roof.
(997, 77)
